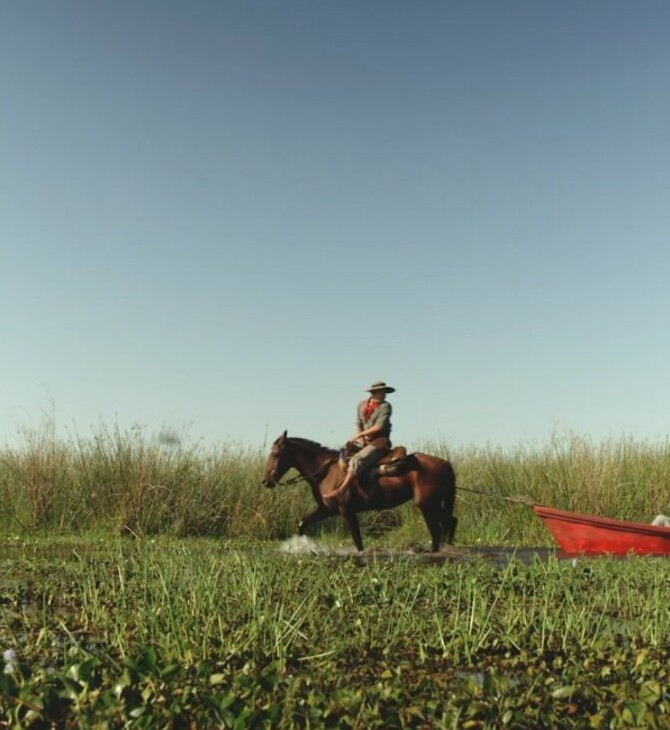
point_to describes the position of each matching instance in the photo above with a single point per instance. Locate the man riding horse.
(372, 437)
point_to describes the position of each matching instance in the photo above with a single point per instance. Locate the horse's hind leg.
(352, 520)
(449, 520)
(434, 524)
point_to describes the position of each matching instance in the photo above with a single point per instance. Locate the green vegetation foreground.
(194, 633)
(155, 631)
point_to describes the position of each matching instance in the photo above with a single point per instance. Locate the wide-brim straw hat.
(380, 385)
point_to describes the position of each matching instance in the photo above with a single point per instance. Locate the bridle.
(307, 477)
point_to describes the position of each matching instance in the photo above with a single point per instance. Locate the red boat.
(587, 535)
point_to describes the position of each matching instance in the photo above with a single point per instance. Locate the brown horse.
(429, 480)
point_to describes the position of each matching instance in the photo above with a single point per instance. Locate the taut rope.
(519, 500)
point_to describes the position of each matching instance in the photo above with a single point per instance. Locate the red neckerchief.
(370, 407)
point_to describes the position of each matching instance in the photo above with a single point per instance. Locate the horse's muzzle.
(269, 483)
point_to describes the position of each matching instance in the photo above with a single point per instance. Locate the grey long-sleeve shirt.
(381, 417)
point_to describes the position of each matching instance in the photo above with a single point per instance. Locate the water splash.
(300, 545)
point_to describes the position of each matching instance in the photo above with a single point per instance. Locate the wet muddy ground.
(449, 553)
(304, 546)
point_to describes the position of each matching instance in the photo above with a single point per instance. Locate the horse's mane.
(313, 446)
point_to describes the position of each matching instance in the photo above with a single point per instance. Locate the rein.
(301, 478)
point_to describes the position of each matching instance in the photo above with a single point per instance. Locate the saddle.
(391, 464)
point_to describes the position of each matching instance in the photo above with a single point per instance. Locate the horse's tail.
(448, 520)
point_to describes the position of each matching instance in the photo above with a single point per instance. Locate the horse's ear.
(284, 436)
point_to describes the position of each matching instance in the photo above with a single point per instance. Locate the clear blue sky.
(231, 217)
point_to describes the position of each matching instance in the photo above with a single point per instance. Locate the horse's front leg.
(316, 515)
(352, 520)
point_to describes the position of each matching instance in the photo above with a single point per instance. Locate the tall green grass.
(132, 483)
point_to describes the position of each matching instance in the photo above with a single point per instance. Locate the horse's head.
(278, 463)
